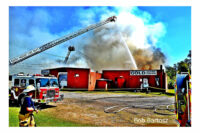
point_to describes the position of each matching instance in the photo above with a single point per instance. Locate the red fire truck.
(47, 89)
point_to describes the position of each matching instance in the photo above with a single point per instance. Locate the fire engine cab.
(47, 89)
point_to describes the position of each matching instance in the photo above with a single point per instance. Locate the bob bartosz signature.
(150, 120)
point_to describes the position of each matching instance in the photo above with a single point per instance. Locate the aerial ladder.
(59, 41)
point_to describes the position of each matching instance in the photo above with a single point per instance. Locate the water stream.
(133, 63)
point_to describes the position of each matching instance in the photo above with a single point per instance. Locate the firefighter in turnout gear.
(26, 117)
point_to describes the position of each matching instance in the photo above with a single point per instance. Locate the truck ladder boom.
(59, 41)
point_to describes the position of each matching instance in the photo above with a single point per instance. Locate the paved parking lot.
(122, 99)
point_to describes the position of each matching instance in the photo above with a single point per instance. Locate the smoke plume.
(104, 48)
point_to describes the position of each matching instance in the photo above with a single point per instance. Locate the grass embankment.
(171, 91)
(42, 120)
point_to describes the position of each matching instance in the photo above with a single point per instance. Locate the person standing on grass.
(26, 117)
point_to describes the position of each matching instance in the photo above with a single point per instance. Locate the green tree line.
(182, 66)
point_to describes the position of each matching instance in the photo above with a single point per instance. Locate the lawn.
(42, 120)
(171, 91)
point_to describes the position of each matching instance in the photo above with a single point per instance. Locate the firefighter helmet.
(29, 88)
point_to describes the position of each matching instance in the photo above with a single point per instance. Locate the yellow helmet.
(29, 88)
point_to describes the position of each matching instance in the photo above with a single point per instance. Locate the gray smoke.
(104, 49)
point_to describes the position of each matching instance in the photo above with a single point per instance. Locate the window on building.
(62, 79)
(76, 75)
(157, 81)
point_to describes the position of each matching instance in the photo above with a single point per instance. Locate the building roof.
(66, 68)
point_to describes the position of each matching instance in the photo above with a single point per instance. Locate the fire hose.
(167, 108)
(153, 107)
(39, 107)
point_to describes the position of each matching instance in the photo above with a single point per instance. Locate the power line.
(28, 68)
(53, 55)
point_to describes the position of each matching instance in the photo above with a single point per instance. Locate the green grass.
(42, 120)
(13, 117)
(171, 91)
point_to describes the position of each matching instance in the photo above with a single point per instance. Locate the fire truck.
(183, 99)
(47, 89)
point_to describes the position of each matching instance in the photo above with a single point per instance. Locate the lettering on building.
(145, 72)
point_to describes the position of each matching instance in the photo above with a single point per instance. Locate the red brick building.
(74, 78)
(84, 79)
(134, 78)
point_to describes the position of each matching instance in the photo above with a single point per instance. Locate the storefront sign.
(145, 72)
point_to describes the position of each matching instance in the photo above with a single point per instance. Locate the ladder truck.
(59, 41)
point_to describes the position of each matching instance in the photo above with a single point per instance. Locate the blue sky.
(177, 41)
(167, 28)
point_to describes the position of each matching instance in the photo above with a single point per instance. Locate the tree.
(183, 66)
(171, 71)
(171, 76)
(189, 55)
(189, 58)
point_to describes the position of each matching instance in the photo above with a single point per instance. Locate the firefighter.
(26, 118)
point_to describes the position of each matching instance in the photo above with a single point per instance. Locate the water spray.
(129, 52)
